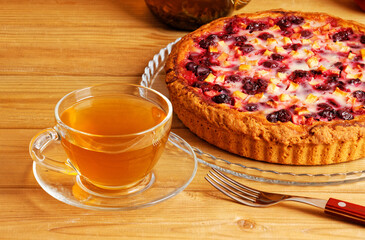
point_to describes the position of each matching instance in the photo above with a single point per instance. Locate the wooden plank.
(31, 214)
(80, 38)
(29, 101)
(16, 170)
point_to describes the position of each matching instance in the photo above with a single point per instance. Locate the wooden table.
(49, 48)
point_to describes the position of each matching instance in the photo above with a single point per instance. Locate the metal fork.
(256, 198)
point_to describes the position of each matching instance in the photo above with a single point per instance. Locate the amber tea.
(116, 151)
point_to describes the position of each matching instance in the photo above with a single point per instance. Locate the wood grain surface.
(51, 47)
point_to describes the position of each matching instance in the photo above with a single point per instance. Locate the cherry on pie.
(276, 86)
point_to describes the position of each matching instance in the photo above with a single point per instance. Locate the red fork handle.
(346, 210)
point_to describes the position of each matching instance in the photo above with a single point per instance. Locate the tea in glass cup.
(113, 135)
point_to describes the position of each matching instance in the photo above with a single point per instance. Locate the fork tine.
(213, 182)
(246, 193)
(254, 191)
(227, 186)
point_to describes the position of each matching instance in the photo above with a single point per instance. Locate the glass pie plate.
(154, 76)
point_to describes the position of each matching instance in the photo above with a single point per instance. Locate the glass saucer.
(154, 77)
(172, 174)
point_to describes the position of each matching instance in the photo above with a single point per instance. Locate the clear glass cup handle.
(37, 148)
(238, 4)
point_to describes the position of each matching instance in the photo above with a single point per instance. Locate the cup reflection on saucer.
(113, 135)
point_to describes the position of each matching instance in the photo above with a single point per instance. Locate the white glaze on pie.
(306, 98)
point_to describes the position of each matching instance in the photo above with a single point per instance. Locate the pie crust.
(250, 133)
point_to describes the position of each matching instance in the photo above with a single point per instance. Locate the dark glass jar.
(191, 14)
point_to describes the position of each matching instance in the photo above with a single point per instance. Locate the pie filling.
(288, 68)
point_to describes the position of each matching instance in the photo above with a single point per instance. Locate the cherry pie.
(275, 86)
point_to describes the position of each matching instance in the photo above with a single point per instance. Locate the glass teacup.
(113, 135)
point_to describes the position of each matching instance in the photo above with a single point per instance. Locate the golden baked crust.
(250, 134)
